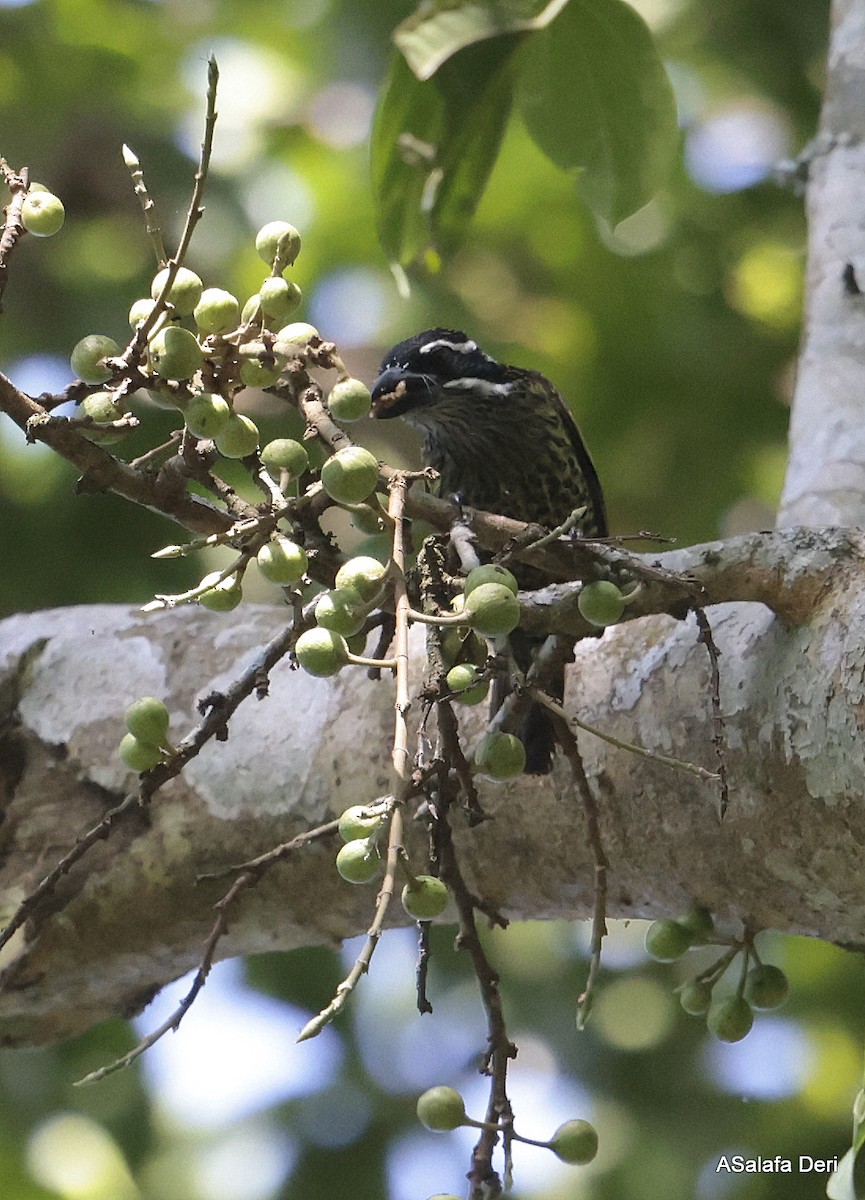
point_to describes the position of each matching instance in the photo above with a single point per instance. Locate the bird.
(502, 439)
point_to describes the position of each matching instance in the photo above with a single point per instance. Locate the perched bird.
(502, 439)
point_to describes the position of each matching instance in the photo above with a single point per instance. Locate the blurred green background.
(674, 339)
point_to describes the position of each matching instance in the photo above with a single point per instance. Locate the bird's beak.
(397, 391)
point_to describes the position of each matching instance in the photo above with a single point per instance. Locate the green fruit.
(463, 646)
(186, 290)
(501, 755)
(224, 595)
(465, 681)
(575, 1142)
(350, 475)
(730, 1019)
(103, 408)
(174, 353)
(321, 652)
(279, 298)
(284, 454)
(490, 573)
(667, 940)
(217, 311)
(601, 603)
(140, 311)
(42, 213)
(139, 756)
(358, 861)
(493, 609)
(341, 610)
(358, 822)
(88, 355)
(206, 415)
(292, 337)
(251, 309)
(239, 437)
(425, 898)
(441, 1109)
(282, 561)
(766, 986)
(259, 367)
(367, 519)
(696, 998)
(147, 720)
(698, 921)
(278, 240)
(364, 574)
(349, 400)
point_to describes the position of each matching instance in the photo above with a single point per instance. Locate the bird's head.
(428, 370)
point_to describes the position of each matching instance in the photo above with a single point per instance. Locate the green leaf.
(434, 144)
(439, 28)
(595, 96)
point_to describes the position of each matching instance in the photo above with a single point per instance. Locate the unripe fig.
(601, 603)
(425, 898)
(349, 400)
(239, 437)
(137, 755)
(465, 681)
(667, 940)
(358, 822)
(464, 646)
(279, 298)
(341, 610)
(174, 353)
(490, 573)
(259, 367)
(292, 338)
(493, 609)
(730, 1019)
(278, 240)
(88, 355)
(217, 311)
(349, 475)
(185, 290)
(140, 311)
(206, 415)
(696, 998)
(501, 755)
(441, 1109)
(575, 1142)
(321, 652)
(698, 921)
(282, 561)
(358, 861)
(285, 454)
(42, 213)
(766, 986)
(362, 573)
(224, 595)
(147, 720)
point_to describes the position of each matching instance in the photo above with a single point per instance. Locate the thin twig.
(154, 232)
(719, 740)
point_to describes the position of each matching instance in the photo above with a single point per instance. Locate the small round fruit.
(42, 213)
(139, 756)
(667, 940)
(147, 719)
(696, 998)
(349, 400)
(766, 986)
(341, 610)
(224, 595)
(601, 603)
(239, 437)
(292, 337)
(251, 310)
(285, 454)
(364, 574)
(490, 573)
(425, 898)
(279, 298)
(103, 408)
(185, 291)
(282, 561)
(278, 239)
(174, 353)
(501, 755)
(206, 415)
(258, 366)
(699, 923)
(463, 645)
(493, 609)
(730, 1019)
(575, 1142)
(358, 861)
(464, 680)
(441, 1109)
(140, 311)
(321, 652)
(358, 822)
(350, 475)
(88, 355)
(217, 311)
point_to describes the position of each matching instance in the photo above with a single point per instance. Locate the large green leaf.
(595, 96)
(434, 144)
(439, 28)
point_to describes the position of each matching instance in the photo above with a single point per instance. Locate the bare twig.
(719, 740)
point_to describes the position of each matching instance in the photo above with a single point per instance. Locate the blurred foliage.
(673, 338)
